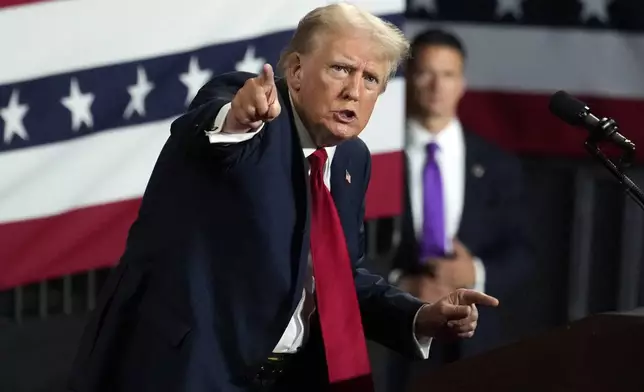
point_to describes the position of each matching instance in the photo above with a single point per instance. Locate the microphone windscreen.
(567, 108)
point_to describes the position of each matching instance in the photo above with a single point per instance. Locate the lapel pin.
(478, 170)
(347, 176)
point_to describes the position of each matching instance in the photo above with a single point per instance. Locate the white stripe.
(102, 168)
(115, 165)
(385, 131)
(62, 36)
(535, 59)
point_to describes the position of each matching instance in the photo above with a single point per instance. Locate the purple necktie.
(433, 244)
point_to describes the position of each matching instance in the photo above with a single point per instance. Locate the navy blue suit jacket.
(215, 262)
(493, 227)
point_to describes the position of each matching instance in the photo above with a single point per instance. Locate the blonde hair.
(342, 16)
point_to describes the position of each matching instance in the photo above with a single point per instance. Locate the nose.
(433, 83)
(351, 89)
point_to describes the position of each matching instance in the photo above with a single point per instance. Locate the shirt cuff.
(423, 343)
(394, 276)
(216, 136)
(479, 272)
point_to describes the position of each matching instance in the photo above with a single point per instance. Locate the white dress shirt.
(297, 330)
(450, 157)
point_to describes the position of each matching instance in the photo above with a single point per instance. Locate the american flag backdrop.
(88, 90)
(522, 51)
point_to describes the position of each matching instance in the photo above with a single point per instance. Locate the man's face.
(337, 85)
(436, 81)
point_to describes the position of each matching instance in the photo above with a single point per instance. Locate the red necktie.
(344, 342)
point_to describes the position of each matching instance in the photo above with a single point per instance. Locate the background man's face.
(437, 81)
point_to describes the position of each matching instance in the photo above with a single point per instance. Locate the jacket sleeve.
(196, 130)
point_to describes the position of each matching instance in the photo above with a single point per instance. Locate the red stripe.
(94, 237)
(384, 196)
(521, 122)
(76, 241)
(10, 3)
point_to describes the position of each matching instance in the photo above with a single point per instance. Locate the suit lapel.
(298, 168)
(340, 179)
(474, 173)
(301, 189)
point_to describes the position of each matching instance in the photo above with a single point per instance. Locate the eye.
(339, 68)
(371, 79)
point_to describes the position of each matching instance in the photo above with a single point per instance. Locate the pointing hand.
(453, 316)
(256, 102)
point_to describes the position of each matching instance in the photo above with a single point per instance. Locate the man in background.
(462, 224)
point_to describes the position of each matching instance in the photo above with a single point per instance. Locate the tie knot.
(318, 159)
(431, 149)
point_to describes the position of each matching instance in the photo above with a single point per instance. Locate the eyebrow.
(367, 72)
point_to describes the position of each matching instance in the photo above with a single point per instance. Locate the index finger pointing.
(267, 77)
(469, 297)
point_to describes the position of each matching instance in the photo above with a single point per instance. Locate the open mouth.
(345, 116)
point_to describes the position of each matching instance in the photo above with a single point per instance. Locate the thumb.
(456, 312)
(267, 77)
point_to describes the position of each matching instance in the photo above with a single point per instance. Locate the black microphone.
(576, 113)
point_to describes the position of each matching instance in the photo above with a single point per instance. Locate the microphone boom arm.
(626, 160)
(606, 130)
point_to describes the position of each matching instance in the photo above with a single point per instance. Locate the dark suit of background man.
(241, 271)
(463, 220)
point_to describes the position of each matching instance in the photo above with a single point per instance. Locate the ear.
(295, 71)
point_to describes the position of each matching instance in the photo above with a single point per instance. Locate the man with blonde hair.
(241, 271)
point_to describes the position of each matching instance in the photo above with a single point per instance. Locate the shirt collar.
(419, 137)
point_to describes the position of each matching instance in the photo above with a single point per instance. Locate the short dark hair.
(436, 37)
